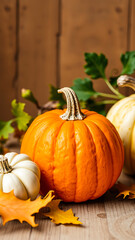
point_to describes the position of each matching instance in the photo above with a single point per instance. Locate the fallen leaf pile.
(125, 191)
(12, 208)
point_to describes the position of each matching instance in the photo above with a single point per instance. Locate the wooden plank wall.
(92, 26)
(42, 42)
(7, 56)
(38, 29)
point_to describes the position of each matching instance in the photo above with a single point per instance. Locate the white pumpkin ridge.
(20, 174)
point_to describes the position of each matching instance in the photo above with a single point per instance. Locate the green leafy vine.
(95, 68)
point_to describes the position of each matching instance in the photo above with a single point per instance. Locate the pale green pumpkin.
(122, 115)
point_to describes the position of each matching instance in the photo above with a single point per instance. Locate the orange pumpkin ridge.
(109, 134)
(79, 152)
(109, 149)
(87, 169)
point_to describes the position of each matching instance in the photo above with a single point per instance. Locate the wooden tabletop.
(106, 218)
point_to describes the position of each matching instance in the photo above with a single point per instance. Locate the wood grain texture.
(15, 231)
(43, 42)
(131, 33)
(38, 30)
(106, 218)
(7, 56)
(91, 26)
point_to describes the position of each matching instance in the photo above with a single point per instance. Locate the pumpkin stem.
(126, 81)
(4, 165)
(73, 106)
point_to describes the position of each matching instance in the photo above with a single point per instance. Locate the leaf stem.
(113, 89)
(108, 95)
(106, 102)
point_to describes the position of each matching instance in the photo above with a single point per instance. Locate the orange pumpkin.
(79, 152)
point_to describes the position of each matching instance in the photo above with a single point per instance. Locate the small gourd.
(79, 152)
(122, 115)
(19, 173)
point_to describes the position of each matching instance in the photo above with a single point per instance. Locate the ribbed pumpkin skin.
(80, 159)
(122, 115)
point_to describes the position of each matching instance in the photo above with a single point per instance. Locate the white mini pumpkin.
(19, 173)
(122, 115)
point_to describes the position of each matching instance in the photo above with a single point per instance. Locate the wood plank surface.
(38, 49)
(91, 26)
(38, 29)
(106, 218)
(7, 56)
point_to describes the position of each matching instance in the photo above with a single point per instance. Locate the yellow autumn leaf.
(125, 191)
(59, 216)
(13, 208)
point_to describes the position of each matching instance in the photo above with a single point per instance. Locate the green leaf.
(83, 104)
(22, 118)
(27, 94)
(5, 129)
(128, 61)
(113, 81)
(95, 65)
(99, 109)
(83, 88)
(55, 96)
(93, 106)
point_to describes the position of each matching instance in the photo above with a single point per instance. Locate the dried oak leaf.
(59, 216)
(125, 191)
(12, 208)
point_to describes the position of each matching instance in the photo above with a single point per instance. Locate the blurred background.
(43, 42)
